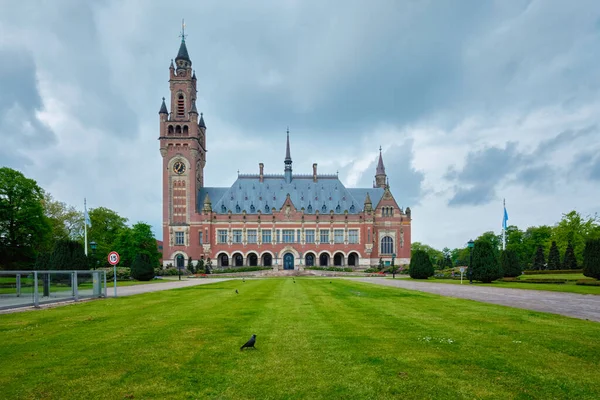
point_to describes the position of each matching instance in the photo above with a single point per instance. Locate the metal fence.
(33, 288)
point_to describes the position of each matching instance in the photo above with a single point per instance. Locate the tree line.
(560, 246)
(37, 231)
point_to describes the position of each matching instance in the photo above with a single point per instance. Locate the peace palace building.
(285, 221)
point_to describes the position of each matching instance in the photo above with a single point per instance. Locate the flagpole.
(85, 225)
(504, 226)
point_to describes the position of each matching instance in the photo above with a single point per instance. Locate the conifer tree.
(570, 262)
(591, 258)
(141, 268)
(420, 265)
(539, 260)
(190, 266)
(486, 267)
(511, 266)
(554, 257)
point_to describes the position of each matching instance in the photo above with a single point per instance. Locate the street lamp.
(94, 246)
(470, 245)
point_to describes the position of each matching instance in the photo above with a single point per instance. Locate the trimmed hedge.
(239, 269)
(543, 280)
(336, 269)
(556, 271)
(420, 265)
(588, 282)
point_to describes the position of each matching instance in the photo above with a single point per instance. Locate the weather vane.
(183, 35)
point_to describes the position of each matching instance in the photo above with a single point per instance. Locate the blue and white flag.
(505, 219)
(86, 215)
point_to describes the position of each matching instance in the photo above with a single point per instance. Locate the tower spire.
(288, 159)
(380, 176)
(183, 59)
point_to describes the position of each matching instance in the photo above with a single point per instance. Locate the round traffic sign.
(113, 258)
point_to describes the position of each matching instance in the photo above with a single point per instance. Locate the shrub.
(543, 280)
(591, 258)
(588, 282)
(141, 268)
(239, 269)
(485, 264)
(558, 271)
(337, 269)
(554, 257)
(190, 265)
(67, 255)
(511, 267)
(570, 261)
(420, 265)
(123, 273)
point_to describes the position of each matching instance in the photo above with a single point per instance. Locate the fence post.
(36, 295)
(18, 285)
(75, 288)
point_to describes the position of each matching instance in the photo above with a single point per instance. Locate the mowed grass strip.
(315, 339)
(570, 286)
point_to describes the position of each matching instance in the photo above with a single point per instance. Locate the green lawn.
(315, 339)
(570, 286)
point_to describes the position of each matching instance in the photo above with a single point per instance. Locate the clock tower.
(183, 150)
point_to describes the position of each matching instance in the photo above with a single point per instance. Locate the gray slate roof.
(183, 53)
(248, 193)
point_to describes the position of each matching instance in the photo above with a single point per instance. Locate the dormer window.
(223, 209)
(180, 105)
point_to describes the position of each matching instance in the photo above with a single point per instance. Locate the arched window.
(185, 130)
(180, 105)
(266, 208)
(324, 208)
(178, 129)
(171, 130)
(338, 209)
(310, 260)
(252, 208)
(223, 209)
(238, 209)
(391, 211)
(352, 208)
(387, 245)
(309, 209)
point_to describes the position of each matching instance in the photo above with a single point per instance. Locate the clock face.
(179, 167)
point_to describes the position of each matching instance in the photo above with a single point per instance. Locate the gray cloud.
(334, 72)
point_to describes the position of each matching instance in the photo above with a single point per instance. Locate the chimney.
(314, 172)
(261, 167)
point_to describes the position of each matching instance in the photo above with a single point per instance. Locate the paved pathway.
(584, 306)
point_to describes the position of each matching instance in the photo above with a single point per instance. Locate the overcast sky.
(472, 101)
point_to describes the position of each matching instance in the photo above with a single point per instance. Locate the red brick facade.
(266, 219)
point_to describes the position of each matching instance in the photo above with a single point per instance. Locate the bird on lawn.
(236, 292)
(249, 343)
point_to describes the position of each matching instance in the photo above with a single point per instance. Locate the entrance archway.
(324, 260)
(353, 259)
(288, 261)
(252, 260)
(238, 260)
(180, 261)
(223, 260)
(338, 259)
(309, 260)
(267, 260)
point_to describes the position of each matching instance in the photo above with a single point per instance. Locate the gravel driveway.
(583, 306)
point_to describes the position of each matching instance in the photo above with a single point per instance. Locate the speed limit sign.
(113, 258)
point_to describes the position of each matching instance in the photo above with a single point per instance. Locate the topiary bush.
(141, 268)
(420, 265)
(591, 258)
(570, 261)
(486, 267)
(539, 261)
(554, 257)
(511, 266)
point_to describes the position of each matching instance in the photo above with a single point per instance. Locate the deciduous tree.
(24, 229)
